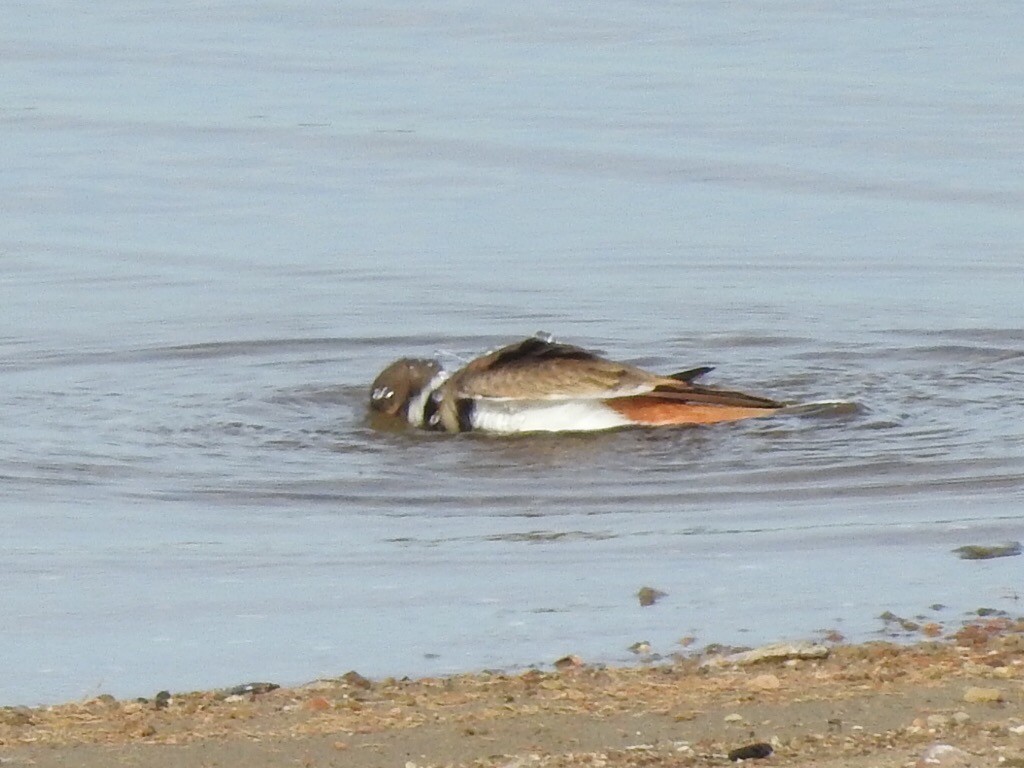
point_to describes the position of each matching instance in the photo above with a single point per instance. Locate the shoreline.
(870, 703)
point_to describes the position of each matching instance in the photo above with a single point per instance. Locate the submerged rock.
(987, 552)
(649, 596)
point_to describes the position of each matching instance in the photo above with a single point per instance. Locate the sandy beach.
(805, 704)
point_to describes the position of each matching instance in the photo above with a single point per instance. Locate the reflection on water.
(202, 276)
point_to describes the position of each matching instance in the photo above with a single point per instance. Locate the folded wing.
(537, 369)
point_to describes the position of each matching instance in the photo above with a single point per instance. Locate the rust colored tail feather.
(654, 410)
(686, 403)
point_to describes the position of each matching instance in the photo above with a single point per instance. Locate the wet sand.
(878, 703)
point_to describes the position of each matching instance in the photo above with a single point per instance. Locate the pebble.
(943, 756)
(961, 718)
(735, 717)
(977, 695)
(937, 721)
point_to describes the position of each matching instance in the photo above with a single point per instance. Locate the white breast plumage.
(511, 416)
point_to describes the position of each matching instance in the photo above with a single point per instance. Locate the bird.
(541, 385)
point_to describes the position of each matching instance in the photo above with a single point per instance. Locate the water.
(221, 220)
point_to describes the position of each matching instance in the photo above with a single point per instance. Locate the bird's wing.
(537, 369)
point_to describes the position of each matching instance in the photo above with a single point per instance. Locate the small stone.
(735, 717)
(649, 596)
(978, 695)
(568, 662)
(356, 680)
(766, 682)
(943, 756)
(640, 647)
(961, 718)
(937, 721)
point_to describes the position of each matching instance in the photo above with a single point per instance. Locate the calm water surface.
(221, 220)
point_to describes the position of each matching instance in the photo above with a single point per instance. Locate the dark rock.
(162, 699)
(756, 751)
(983, 612)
